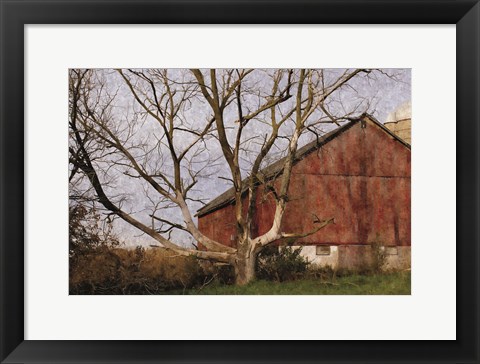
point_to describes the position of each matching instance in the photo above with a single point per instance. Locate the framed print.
(49, 52)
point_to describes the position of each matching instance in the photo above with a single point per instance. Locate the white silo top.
(403, 112)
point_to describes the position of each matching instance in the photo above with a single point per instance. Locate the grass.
(397, 283)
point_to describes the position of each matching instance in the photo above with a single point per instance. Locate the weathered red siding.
(219, 225)
(361, 178)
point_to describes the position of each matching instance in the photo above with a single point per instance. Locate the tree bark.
(245, 264)
(244, 270)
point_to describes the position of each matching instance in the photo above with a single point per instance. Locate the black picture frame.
(15, 14)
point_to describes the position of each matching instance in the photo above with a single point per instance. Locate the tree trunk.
(245, 268)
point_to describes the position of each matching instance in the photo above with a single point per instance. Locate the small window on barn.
(323, 250)
(391, 250)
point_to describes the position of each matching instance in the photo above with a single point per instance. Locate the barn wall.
(361, 178)
(219, 225)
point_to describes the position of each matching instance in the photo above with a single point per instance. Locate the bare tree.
(160, 128)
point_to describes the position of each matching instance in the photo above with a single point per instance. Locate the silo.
(400, 121)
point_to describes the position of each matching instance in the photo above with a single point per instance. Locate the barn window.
(323, 250)
(391, 250)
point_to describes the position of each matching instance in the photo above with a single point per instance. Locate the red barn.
(360, 175)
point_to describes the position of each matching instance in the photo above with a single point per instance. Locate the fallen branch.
(207, 283)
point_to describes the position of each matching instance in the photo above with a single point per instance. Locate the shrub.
(106, 270)
(217, 272)
(98, 266)
(379, 257)
(88, 233)
(281, 264)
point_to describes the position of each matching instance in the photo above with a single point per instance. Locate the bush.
(379, 257)
(134, 271)
(99, 266)
(88, 233)
(281, 264)
(219, 272)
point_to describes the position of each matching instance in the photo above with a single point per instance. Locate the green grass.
(382, 284)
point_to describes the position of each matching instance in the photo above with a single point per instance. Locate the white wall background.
(429, 313)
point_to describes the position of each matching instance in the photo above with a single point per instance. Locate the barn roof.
(276, 168)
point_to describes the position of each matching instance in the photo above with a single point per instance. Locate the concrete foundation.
(357, 257)
(309, 252)
(401, 260)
